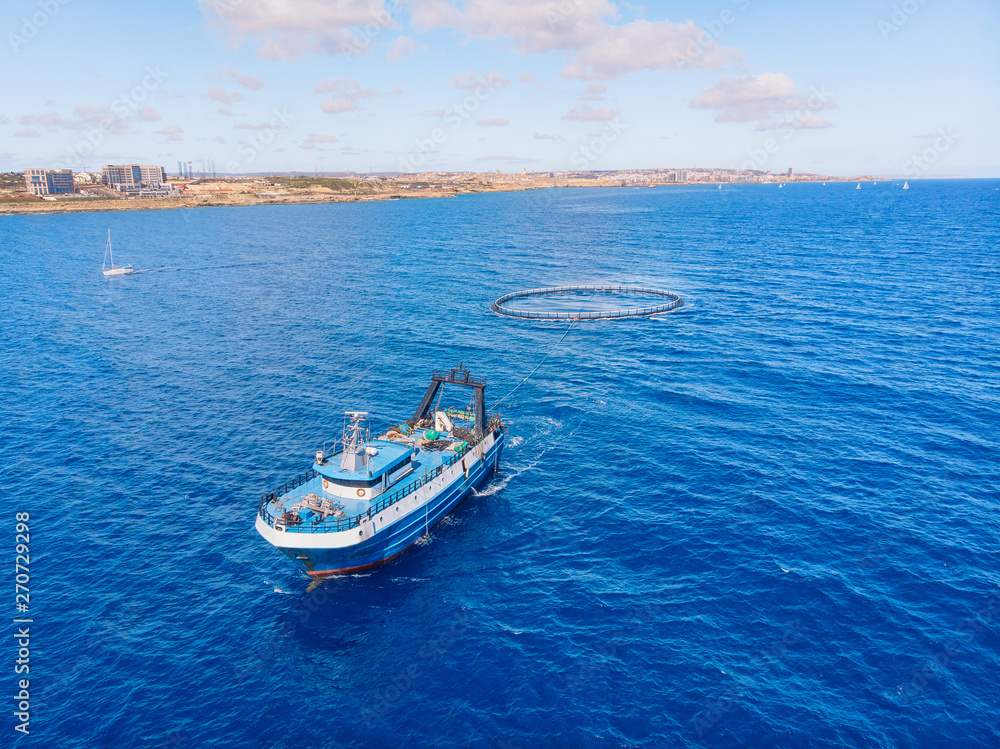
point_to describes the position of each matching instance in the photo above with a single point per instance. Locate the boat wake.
(500, 481)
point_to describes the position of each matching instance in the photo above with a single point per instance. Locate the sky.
(884, 87)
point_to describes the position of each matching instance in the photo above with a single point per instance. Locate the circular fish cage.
(671, 302)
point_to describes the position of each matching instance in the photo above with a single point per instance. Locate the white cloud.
(534, 26)
(173, 132)
(509, 159)
(89, 115)
(810, 122)
(471, 81)
(595, 92)
(261, 126)
(604, 50)
(28, 132)
(86, 117)
(543, 136)
(283, 29)
(403, 47)
(758, 97)
(147, 114)
(217, 93)
(347, 88)
(335, 106)
(314, 140)
(346, 93)
(647, 45)
(48, 119)
(588, 113)
(251, 82)
(495, 122)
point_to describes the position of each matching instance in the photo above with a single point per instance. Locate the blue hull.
(396, 538)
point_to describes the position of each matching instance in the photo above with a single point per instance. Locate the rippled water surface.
(768, 519)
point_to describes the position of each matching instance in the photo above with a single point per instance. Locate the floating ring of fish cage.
(671, 302)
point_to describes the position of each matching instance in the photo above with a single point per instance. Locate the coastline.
(229, 193)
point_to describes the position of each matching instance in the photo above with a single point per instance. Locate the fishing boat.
(906, 185)
(113, 271)
(370, 499)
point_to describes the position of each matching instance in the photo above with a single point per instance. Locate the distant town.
(139, 186)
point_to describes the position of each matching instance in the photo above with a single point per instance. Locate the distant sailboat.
(858, 187)
(720, 187)
(113, 271)
(874, 183)
(906, 185)
(780, 185)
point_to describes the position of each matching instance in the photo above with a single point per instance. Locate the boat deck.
(320, 511)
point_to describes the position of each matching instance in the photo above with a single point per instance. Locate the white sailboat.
(906, 185)
(858, 187)
(113, 271)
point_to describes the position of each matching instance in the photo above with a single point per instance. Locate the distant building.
(153, 175)
(48, 181)
(113, 176)
(789, 171)
(133, 175)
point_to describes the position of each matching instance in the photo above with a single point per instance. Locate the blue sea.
(768, 519)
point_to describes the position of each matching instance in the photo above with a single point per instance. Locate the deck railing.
(342, 524)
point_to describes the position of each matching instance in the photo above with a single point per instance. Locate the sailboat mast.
(111, 251)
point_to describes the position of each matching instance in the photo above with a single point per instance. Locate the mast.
(112, 252)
